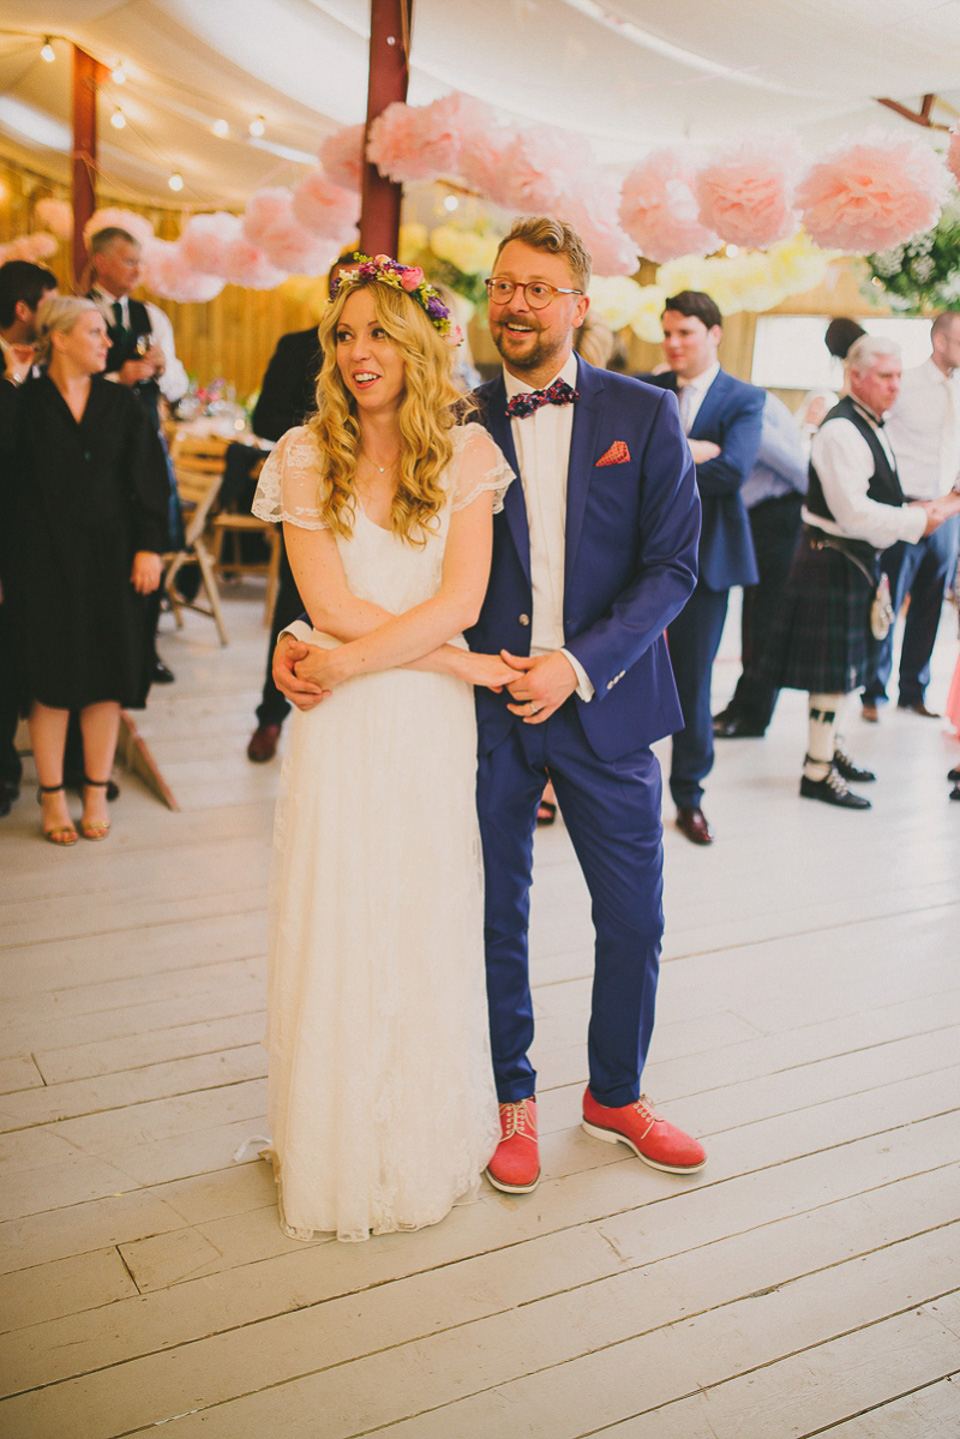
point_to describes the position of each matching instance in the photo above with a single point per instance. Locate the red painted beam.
(84, 163)
(389, 74)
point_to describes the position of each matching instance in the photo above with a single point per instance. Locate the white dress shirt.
(845, 464)
(542, 442)
(173, 382)
(924, 429)
(696, 389)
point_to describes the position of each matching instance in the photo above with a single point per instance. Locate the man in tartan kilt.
(855, 509)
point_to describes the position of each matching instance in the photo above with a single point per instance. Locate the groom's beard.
(528, 350)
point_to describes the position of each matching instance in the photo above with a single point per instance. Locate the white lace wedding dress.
(381, 1097)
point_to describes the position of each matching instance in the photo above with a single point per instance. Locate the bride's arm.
(334, 609)
(400, 639)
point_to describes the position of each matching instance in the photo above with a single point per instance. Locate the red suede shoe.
(515, 1166)
(652, 1139)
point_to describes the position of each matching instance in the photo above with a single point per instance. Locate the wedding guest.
(773, 495)
(22, 287)
(855, 508)
(382, 1105)
(923, 428)
(86, 495)
(142, 357)
(593, 555)
(722, 418)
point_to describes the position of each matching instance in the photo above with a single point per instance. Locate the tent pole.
(84, 158)
(389, 73)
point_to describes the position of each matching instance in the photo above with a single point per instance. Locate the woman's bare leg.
(48, 736)
(100, 726)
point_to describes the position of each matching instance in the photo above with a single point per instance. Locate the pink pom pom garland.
(746, 194)
(872, 194)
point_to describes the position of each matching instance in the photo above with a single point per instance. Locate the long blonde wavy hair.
(430, 407)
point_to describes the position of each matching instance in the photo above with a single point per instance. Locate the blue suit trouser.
(612, 812)
(694, 638)
(923, 571)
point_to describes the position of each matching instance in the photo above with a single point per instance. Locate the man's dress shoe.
(847, 769)
(736, 727)
(833, 790)
(160, 674)
(693, 823)
(870, 713)
(919, 709)
(263, 743)
(954, 775)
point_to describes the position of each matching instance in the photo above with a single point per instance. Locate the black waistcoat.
(123, 347)
(884, 485)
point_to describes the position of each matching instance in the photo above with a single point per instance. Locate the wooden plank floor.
(806, 1283)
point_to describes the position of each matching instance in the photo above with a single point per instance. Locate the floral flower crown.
(408, 278)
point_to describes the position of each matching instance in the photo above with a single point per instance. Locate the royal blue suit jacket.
(732, 417)
(630, 564)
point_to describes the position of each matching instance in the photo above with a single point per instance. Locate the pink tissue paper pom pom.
(32, 248)
(746, 193)
(481, 158)
(953, 153)
(55, 216)
(245, 264)
(590, 209)
(536, 167)
(341, 156)
(205, 239)
(136, 225)
(872, 194)
(404, 145)
(659, 210)
(266, 208)
(325, 209)
(167, 274)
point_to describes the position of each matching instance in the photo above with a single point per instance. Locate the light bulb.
(119, 74)
(48, 53)
(221, 128)
(118, 119)
(257, 127)
(451, 203)
(175, 182)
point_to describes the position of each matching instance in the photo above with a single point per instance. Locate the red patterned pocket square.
(618, 454)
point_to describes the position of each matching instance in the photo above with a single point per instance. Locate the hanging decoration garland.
(869, 195)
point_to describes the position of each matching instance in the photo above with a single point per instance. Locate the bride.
(381, 1097)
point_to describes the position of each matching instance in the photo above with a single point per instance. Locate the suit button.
(524, 620)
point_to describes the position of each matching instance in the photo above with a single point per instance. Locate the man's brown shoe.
(870, 713)
(263, 743)
(919, 709)
(693, 823)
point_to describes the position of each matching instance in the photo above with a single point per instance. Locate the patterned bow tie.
(559, 393)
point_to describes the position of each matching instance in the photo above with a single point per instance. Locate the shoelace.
(836, 782)
(645, 1112)
(515, 1120)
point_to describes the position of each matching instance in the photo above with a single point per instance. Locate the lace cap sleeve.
(479, 466)
(289, 484)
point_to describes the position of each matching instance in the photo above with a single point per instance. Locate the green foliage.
(923, 274)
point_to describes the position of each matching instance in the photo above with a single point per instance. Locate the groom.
(593, 556)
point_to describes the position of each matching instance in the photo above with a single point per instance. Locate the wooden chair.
(198, 462)
(228, 529)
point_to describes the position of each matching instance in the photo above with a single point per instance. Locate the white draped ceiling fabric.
(626, 75)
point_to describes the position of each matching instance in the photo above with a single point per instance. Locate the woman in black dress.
(89, 498)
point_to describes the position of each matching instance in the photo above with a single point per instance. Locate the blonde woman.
(88, 500)
(381, 1098)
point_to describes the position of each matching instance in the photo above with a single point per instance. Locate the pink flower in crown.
(411, 278)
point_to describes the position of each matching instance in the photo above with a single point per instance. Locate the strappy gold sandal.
(63, 835)
(95, 828)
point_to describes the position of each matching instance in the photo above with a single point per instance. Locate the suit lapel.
(583, 446)
(492, 400)
(712, 403)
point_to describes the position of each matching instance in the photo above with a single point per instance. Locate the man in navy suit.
(594, 555)
(722, 418)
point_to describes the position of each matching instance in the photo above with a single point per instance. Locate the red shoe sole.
(613, 1136)
(505, 1188)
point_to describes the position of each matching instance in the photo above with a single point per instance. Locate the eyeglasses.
(537, 293)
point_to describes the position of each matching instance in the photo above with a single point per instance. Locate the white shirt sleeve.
(173, 382)
(844, 462)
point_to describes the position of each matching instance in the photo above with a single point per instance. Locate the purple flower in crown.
(409, 279)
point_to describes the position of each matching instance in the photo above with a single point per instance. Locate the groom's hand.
(300, 692)
(542, 685)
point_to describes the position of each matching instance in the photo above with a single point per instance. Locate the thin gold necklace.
(381, 469)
